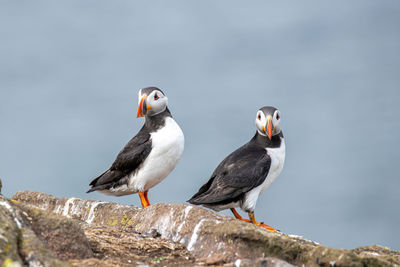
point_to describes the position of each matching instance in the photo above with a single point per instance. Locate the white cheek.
(259, 124)
(278, 127)
(152, 103)
(157, 106)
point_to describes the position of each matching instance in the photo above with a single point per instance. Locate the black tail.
(91, 190)
(96, 184)
(193, 201)
(195, 198)
(99, 187)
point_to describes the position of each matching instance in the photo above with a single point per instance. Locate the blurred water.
(70, 72)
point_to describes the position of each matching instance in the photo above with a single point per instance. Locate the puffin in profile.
(149, 156)
(247, 172)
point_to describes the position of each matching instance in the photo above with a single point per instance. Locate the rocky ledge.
(41, 230)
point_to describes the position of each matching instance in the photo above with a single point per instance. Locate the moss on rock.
(203, 236)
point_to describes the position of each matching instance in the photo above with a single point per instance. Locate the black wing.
(243, 170)
(128, 160)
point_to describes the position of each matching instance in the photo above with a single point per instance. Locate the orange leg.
(143, 196)
(237, 216)
(253, 220)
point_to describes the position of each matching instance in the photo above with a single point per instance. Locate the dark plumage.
(244, 169)
(131, 156)
(129, 159)
(142, 163)
(243, 175)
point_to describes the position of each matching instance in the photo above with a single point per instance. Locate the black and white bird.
(149, 156)
(246, 173)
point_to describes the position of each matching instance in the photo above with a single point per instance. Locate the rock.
(378, 252)
(35, 237)
(260, 262)
(9, 235)
(35, 253)
(115, 246)
(178, 234)
(20, 244)
(60, 235)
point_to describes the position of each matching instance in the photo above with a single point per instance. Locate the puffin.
(149, 156)
(242, 176)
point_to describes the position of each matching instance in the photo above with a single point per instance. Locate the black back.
(132, 156)
(243, 170)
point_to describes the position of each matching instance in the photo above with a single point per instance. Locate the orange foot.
(253, 220)
(270, 228)
(144, 199)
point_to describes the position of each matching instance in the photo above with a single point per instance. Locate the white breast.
(167, 148)
(277, 160)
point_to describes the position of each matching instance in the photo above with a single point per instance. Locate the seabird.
(149, 156)
(241, 177)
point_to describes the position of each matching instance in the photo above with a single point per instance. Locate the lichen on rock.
(37, 229)
(9, 236)
(178, 234)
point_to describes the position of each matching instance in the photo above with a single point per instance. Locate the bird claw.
(272, 229)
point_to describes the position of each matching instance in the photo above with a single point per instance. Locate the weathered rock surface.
(19, 245)
(9, 234)
(61, 231)
(64, 237)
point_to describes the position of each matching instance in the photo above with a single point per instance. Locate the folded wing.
(243, 170)
(128, 160)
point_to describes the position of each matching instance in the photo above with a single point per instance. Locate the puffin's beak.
(142, 109)
(269, 127)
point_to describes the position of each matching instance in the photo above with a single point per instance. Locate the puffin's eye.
(259, 116)
(156, 97)
(277, 116)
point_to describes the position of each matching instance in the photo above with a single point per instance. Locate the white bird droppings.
(195, 235)
(178, 230)
(187, 209)
(7, 206)
(301, 237)
(92, 214)
(372, 253)
(66, 206)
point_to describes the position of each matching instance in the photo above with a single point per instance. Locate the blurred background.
(70, 72)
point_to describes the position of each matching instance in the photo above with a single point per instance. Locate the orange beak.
(140, 108)
(269, 127)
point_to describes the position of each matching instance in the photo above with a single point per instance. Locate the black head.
(268, 121)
